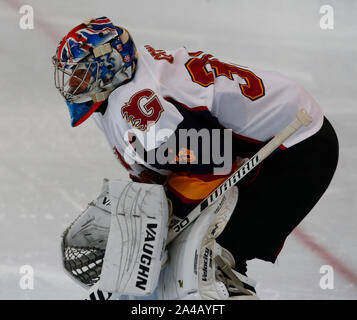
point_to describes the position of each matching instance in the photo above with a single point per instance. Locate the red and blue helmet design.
(91, 61)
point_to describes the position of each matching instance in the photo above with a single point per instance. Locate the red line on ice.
(324, 254)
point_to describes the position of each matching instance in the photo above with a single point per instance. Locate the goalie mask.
(91, 61)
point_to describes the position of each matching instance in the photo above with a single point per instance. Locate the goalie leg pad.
(195, 257)
(135, 250)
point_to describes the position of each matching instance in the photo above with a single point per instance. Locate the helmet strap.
(101, 96)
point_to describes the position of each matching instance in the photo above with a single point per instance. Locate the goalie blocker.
(136, 244)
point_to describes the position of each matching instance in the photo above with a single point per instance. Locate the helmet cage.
(65, 72)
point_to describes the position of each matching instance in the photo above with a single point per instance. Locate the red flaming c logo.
(142, 110)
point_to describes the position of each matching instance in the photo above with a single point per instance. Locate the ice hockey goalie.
(180, 122)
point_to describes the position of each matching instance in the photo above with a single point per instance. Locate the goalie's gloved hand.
(91, 228)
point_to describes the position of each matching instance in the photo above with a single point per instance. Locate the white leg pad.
(190, 273)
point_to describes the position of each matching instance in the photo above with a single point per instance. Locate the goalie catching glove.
(84, 241)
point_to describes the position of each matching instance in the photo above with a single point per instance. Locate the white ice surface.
(50, 171)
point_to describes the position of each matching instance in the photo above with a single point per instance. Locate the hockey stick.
(302, 119)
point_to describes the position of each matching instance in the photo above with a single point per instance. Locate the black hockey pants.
(286, 187)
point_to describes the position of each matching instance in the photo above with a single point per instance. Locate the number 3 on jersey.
(196, 66)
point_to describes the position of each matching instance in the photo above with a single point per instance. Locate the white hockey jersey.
(170, 86)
